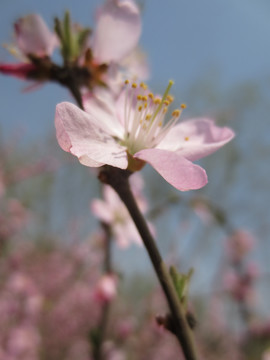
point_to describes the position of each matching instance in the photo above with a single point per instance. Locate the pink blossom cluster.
(240, 277)
(112, 212)
(14, 215)
(48, 302)
(51, 300)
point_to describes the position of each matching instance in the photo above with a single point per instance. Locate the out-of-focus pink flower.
(23, 343)
(240, 285)
(114, 43)
(117, 30)
(106, 288)
(125, 327)
(34, 37)
(266, 355)
(13, 217)
(111, 352)
(2, 183)
(203, 212)
(113, 212)
(260, 329)
(131, 132)
(239, 244)
(136, 65)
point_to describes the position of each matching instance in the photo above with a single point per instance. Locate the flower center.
(144, 117)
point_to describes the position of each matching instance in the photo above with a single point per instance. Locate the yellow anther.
(151, 96)
(143, 85)
(140, 108)
(134, 85)
(157, 101)
(166, 103)
(160, 124)
(148, 116)
(186, 138)
(170, 98)
(144, 98)
(145, 105)
(165, 110)
(139, 97)
(183, 106)
(126, 82)
(176, 113)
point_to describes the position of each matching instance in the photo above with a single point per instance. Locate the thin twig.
(103, 323)
(118, 180)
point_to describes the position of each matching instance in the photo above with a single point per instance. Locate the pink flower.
(266, 355)
(2, 183)
(24, 343)
(106, 289)
(131, 132)
(112, 211)
(34, 37)
(240, 286)
(240, 244)
(117, 30)
(114, 43)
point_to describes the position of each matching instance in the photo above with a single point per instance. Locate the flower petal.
(87, 138)
(175, 169)
(136, 65)
(102, 211)
(196, 138)
(118, 30)
(33, 36)
(101, 105)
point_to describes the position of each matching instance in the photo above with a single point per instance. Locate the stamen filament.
(163, 99)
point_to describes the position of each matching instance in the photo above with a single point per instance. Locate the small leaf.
(181, 284)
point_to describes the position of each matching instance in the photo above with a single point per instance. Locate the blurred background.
(218, 54)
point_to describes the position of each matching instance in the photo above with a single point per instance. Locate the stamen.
(165, 110)
(166, 93)
(170, 98)
(176, 113)
(143, 86)
(144, 125)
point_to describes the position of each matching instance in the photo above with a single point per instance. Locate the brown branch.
(118, 180)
